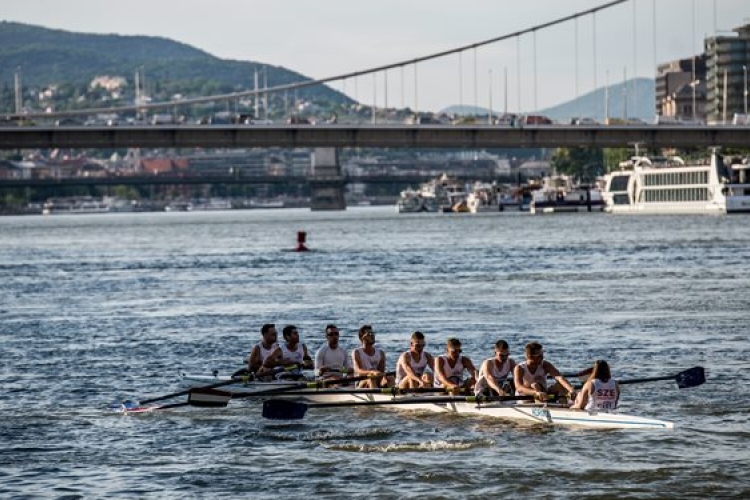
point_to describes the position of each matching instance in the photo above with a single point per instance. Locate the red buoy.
(301, 236)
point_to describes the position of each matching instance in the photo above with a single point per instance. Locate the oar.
(318, 384)
(282, 409)
(392, 391)
(209, 396)
(692, 377)
(243, 379)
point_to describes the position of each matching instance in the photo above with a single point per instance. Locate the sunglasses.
(332, 334)
(455, 351)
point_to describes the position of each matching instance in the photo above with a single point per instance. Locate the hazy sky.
(329, 37)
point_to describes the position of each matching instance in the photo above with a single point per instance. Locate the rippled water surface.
(108, 307)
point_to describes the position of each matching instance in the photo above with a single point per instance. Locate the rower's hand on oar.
(540, 396)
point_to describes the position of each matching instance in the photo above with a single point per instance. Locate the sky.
(325, 38)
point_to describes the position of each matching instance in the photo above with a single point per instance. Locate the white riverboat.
(76, 205)
(443, 194)
(559, 194)
(659, 185)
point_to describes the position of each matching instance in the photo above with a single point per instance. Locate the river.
(101, 308)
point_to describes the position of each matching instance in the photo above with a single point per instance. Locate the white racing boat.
(536, 413)
(291, 400)
(548, 414)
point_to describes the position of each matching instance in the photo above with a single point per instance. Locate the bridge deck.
(371, 136)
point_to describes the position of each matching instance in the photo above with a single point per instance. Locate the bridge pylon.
(326, 180)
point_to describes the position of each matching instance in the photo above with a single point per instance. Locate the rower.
(369, 360)
(601, 392)
(450, 367)
(530, 377)
(264, 357)
(412, 364)
(494, 372)
(292, 353)
(331, 360)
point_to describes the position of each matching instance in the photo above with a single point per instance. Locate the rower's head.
(366, 335)
(601, 371)
(332, 336)
(417, 341)
(453, 347)
(534, 353)
(502, 350)
(291, 334)
(268, 332)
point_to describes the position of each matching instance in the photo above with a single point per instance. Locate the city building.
(678, 84)
(727, 63)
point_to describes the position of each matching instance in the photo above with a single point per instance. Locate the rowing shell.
(554, 415)
(548, 414)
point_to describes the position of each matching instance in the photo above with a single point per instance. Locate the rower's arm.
(253, 361)
(306, 360)
(403, 363)
(491, 381)
(440, 375)
(555, 373)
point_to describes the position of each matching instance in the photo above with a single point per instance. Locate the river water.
(108, 307)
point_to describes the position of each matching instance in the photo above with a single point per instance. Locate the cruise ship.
(660, 185)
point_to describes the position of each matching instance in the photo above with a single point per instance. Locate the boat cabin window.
(621, 199)
(619, 183)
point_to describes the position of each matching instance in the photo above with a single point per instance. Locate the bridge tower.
(326, 180)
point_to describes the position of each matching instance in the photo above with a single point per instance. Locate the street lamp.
(744, 70)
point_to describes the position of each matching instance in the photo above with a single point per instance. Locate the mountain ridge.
(639, 92)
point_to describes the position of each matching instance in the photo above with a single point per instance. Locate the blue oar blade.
(691, 378)
(281, 409)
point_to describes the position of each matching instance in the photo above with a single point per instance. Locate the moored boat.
(659, 185)
(559, 194)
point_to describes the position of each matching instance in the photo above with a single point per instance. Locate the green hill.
(48, 56)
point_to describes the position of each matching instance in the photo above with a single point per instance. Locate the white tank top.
(295, 356)
(539, 376)
(499, 374)
(603, 396)
(418, 367)
(366, 361)
(456, 373)
(264, 353)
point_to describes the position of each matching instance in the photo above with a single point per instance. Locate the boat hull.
(549, 414)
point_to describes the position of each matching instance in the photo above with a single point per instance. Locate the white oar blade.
(208, 397)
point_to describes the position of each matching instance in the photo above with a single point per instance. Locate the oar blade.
(208, 398)
(282, 409)
(691, 378)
